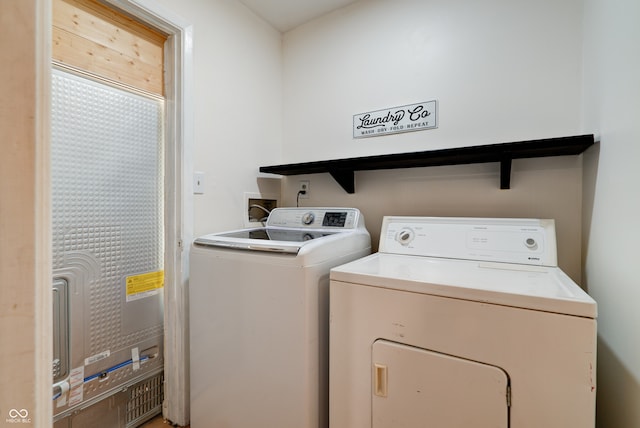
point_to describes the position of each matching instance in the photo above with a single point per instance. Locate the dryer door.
(414, 387)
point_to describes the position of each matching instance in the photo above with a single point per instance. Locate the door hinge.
(508, 395)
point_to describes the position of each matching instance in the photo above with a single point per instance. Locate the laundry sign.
(413, 117)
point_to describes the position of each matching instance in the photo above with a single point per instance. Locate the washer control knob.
(531, 243)
(307, 218)
(405, 236)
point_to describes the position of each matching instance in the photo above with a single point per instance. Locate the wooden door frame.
(179, 137)
(31, 291)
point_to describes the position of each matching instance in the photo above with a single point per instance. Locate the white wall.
(501, 71)
(612, 202)
(238, 107)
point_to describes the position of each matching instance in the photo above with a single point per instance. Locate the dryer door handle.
(380, 380)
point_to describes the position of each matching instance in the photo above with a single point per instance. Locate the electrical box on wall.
(257, 208)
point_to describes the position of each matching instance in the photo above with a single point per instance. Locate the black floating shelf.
(342, 170)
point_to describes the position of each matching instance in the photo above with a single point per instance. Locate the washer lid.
(277, 240)
(539, 288)
(288, 230)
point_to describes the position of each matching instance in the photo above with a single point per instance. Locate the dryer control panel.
(521, 241)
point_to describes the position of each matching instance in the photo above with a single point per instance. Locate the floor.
(157, 422)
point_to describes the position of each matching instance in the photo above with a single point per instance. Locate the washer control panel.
(522, 241)
(308, 217)
(315, 218)
(405, 236)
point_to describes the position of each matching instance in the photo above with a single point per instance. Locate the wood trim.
(92, 37)
(25, 247)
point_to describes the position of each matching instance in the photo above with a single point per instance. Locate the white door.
(414, 387)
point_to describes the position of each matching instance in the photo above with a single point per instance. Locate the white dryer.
(259, 318)
(461, 322)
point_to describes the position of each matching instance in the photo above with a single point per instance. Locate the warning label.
(144, 285)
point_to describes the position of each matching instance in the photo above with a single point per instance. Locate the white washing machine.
(461, 323)
(259, 318)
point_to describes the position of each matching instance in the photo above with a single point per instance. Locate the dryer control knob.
(405, 236)
(531, 243)
(307, 218)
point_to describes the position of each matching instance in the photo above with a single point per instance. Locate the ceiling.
(285, 15)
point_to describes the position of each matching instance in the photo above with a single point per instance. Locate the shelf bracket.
(345, 178)
(505, 173)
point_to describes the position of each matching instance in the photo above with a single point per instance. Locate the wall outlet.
(304, 186)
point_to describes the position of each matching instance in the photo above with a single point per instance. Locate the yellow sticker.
(143, 285)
